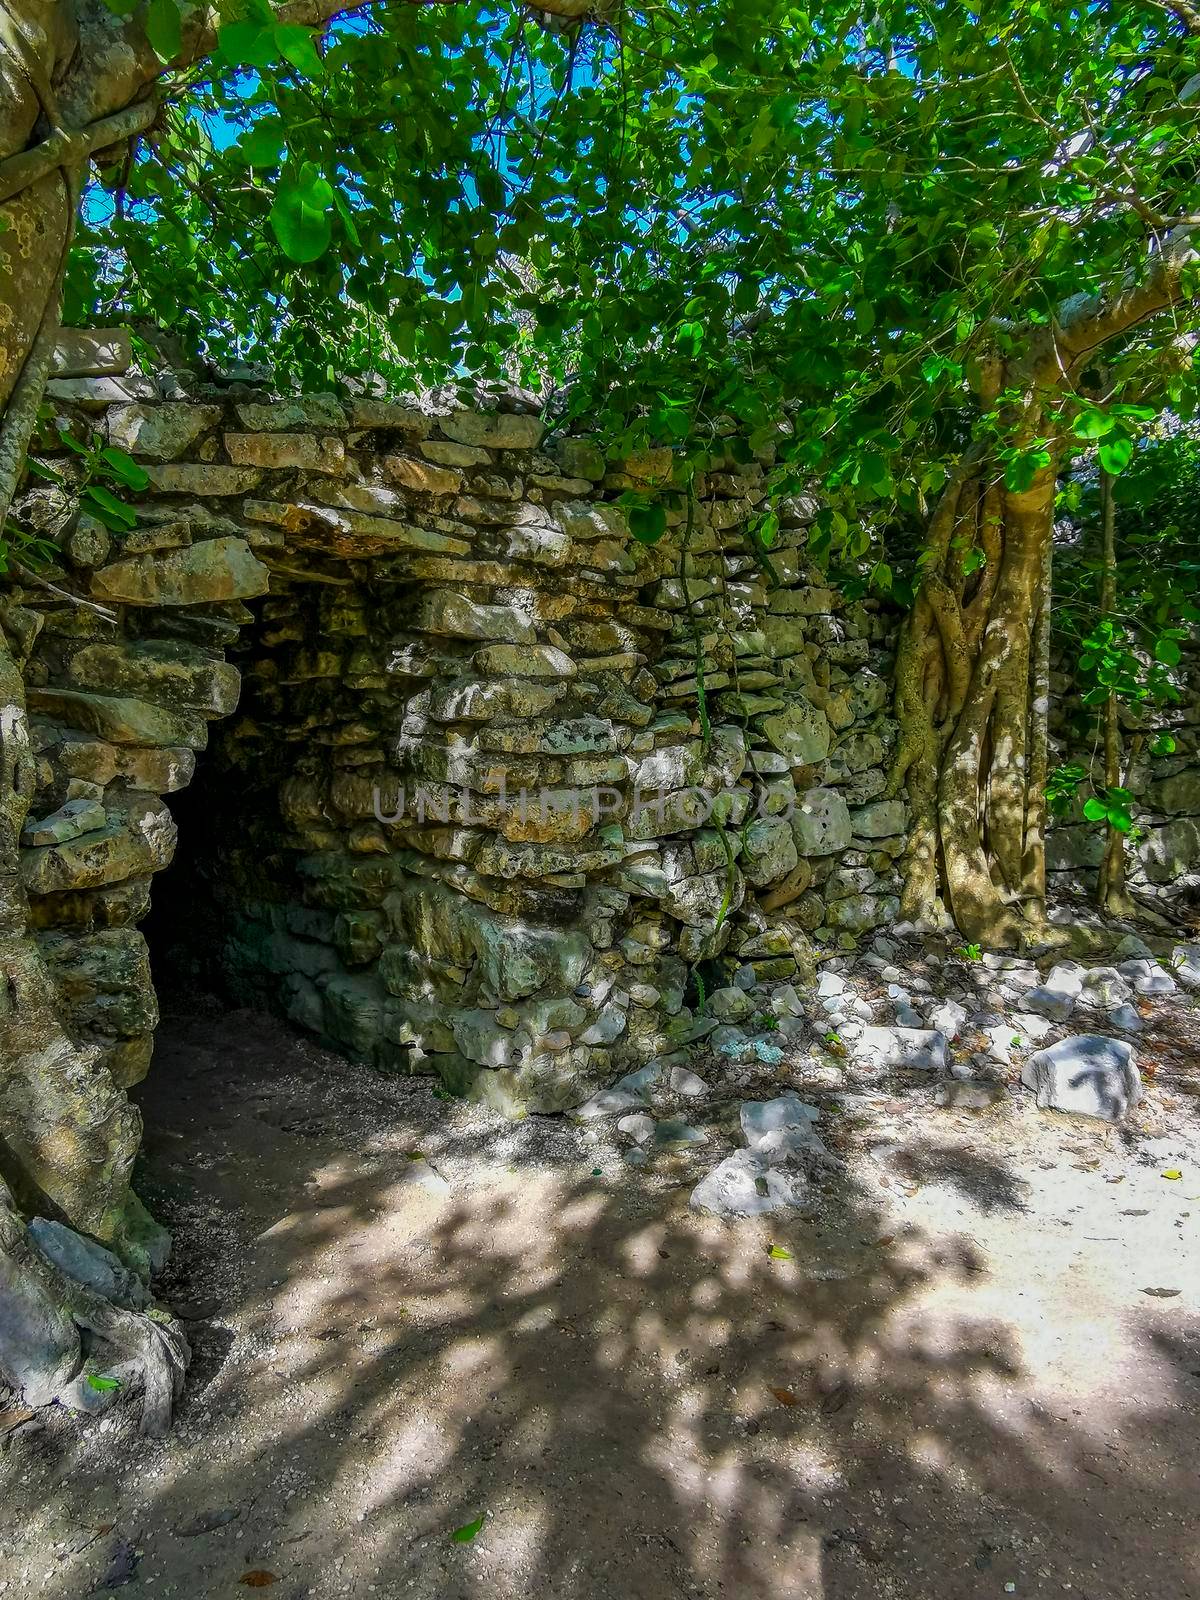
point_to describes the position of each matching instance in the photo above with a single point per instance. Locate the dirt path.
(957, 1386)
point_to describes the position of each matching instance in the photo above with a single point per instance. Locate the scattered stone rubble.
(964, 1028)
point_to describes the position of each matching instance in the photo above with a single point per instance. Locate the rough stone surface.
(89, 1263)
(460, 815)
(1087, 1075)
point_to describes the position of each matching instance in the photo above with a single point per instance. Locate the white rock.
(1031, 1027)
(922, 1048)
(607, 1102)
(1148, 977)
(760, 1117)
(686, 1083)
(948, 1018)
(1125, 1019)
(746, 1185)
(1087, 1075)
(639, 1125)
(1185, 964)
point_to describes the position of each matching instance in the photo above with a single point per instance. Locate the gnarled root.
(42, 1312)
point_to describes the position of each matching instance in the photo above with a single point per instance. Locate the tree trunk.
(1111, 884)
(971, 702)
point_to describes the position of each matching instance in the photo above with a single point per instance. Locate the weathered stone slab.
(351, 535)
(800, 731)
(422, 476)
(166, 671)
(201, 478)
(121, 719)
(89, 1263)
(457, 616)
(69, 822)
(301, 450)
(213, 570)
(497, 431)
(134, 844)
(162, 432)
(91, 353)
(821, 823)
(301, 411)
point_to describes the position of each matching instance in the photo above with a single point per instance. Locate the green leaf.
(468, 1531)
(1093, 424)
(263, 144)
(1095, 810)
(1167, 651)
(343, 211)
(648, 523)
(113, 513)
(300, 215)
(296, 44)
(973, 560)
(1164, 745)
(41, 470)
(125, 468)
(248, 44)
(1022, 468)
(164, 29)
(778, 1253)
(1115, 455)
(101, 1384)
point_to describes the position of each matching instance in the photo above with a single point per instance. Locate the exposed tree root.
(154, 1342)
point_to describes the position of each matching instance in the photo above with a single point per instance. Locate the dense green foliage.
(695, 211)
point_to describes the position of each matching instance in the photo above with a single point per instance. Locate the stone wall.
(1164, 854)
(440, 607)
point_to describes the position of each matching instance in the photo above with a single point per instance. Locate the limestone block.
(454, 615)
(93, 394)
(120, 719)
(821, 823)
(162, 432)
(423, 476)
(524, 661)
(213, 570)
(89, 1263)
(769, 852)
(202, 478)
(800, 731)
(68, 822)
(393, 414)
(166, 671)
(104, 980)
(135, 842)
(303, 450)
(497, 431)
(882, 819)
(91, 353)
(302, 411)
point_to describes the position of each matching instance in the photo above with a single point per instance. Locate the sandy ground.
(965, 1376)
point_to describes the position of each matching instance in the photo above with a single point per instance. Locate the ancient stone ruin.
(482, 779)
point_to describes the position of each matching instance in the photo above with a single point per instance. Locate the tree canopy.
(691, 210)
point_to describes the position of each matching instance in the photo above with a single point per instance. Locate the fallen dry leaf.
(258, 1578)
(785, 1397)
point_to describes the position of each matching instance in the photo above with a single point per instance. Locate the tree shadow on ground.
(641, 1403)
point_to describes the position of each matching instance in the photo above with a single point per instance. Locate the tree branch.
(1086, 322)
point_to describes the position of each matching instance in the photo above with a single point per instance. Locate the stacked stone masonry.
(462, 812)
(1164, 853)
